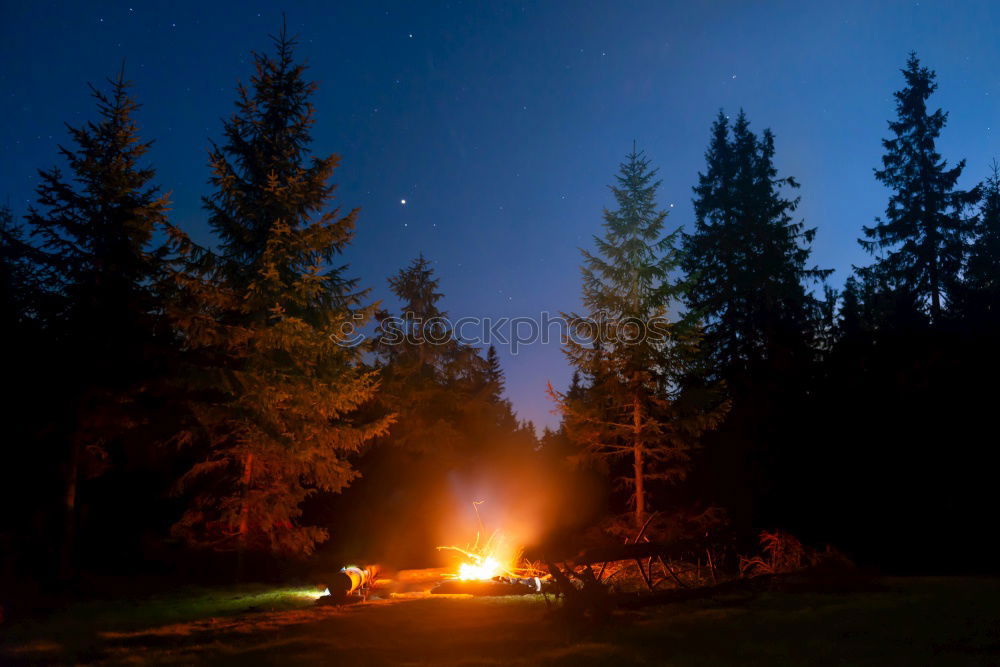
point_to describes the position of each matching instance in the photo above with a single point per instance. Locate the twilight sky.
(502, 123)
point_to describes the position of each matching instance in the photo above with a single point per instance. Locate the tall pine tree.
(746, 259)
(416, 352)
(97, 268)
(635, 410)
(444, 390)
(920, 242)
(273, 388)
(747, 266)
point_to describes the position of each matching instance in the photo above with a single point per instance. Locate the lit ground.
(915, 621)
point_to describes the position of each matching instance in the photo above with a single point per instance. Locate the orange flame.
(487, 561)
(483, 562)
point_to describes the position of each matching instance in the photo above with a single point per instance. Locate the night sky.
(501, 124)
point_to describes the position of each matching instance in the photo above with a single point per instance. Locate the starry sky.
(501, 124)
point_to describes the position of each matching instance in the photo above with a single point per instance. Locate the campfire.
(491, 566)
(492, 559)
(496, 560)
(485, 561)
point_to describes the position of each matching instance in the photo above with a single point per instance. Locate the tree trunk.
(637, 451)
(67, 556)
(244, 515)
(935, 278)
(935, 293)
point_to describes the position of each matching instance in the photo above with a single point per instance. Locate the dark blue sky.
(501, 124)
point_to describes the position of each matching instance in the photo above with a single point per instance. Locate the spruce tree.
(576, 388)
(921, 240)
(94, 231)
(415, 351)
(981, 284)
(635, 410)
(424, 336)
(854, 320)
(746, 259)
(447, 395)
(274, 388)
(417, 289)
(95, 300)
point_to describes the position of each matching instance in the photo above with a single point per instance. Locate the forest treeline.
(170, 402)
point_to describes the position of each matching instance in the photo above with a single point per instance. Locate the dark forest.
(243, 410)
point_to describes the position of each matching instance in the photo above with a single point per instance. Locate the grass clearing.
(914, 621)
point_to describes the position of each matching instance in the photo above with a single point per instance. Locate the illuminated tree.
(273, 385)
(635, 409)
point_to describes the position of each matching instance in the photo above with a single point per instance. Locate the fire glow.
(485, 561)
(487, 569)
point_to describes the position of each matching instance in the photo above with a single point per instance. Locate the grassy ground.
(912, 621)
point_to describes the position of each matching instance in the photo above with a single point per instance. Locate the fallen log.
(494, 587)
